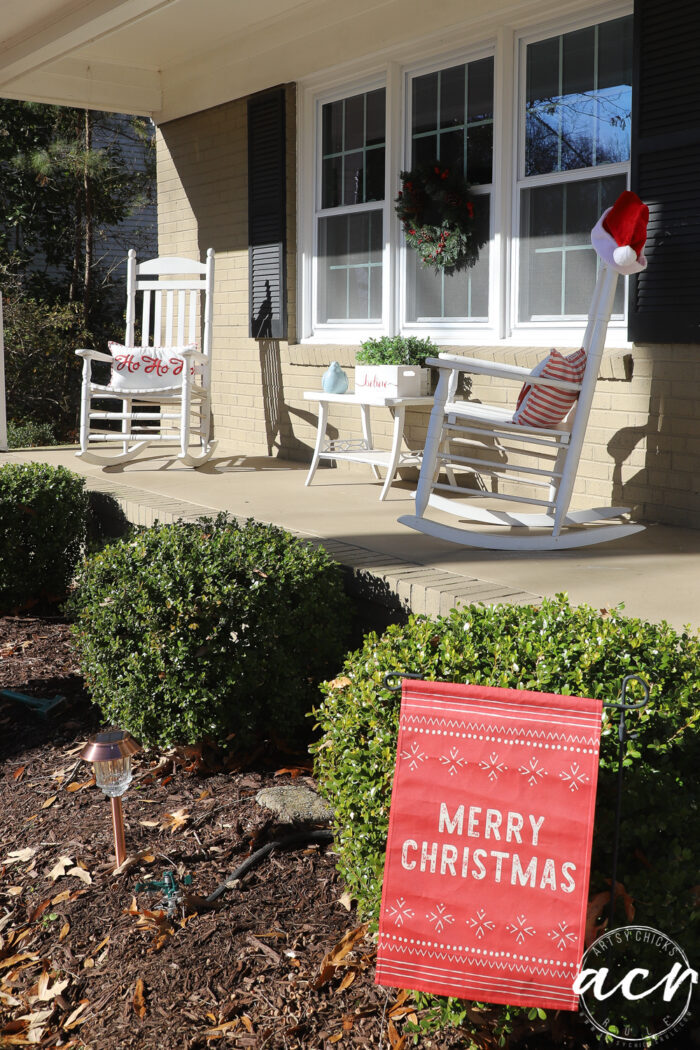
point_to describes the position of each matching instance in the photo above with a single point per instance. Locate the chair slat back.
(176, 301)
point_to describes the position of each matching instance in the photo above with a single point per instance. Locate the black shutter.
(267, 215)
(665, 299)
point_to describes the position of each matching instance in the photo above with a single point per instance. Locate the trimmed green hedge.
(43, 523)
(552, 648)
(209, 628)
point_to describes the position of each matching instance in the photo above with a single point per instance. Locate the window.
(576, 104)
(544, 157)
(451, 120)
(350, 220)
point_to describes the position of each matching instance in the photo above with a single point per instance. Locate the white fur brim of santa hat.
(622, 258)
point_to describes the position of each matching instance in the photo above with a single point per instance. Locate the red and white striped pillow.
(545, 406)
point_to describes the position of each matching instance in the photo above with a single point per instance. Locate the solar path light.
(110, 753)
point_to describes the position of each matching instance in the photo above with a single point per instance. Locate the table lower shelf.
(375, 457)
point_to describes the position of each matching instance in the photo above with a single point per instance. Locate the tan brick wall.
(643, 442)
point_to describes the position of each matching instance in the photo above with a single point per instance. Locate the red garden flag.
(487, 861)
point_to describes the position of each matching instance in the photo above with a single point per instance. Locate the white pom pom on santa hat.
(620, 234)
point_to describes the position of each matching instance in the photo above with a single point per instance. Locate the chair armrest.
(497, 371)
(193, 355)
(94, 355)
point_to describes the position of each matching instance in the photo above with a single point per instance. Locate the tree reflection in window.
(579, 99)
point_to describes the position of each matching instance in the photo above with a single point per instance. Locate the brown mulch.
(86, 960)
(89, 960)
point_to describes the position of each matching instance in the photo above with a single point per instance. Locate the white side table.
(362, 450)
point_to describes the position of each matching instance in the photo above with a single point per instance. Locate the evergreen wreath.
(437, 215)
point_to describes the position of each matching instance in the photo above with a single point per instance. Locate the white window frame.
(450, 327)
(394, 73)
(326, 330)
(562, 329)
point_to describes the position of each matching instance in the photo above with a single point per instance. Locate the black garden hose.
(289, 841)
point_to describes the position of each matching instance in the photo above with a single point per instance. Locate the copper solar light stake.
(110, 752)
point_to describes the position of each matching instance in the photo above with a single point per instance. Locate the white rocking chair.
(176, 304)
(465, 435)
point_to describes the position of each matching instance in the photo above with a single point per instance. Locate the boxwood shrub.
(551, 648)
(210, 628)
(43, 522)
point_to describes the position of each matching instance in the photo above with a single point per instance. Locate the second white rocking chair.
(484, 440)
(162, 385)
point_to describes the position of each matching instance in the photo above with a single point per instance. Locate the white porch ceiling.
(169, 58)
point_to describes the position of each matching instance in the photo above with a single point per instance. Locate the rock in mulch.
(295, 804)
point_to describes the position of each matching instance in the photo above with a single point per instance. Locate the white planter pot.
(375, 382)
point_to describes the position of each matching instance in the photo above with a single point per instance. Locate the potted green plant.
(393, 366)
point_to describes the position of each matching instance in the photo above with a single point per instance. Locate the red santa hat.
(620, 234)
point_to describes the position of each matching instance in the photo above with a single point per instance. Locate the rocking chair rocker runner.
(483, 439)
(163, 385)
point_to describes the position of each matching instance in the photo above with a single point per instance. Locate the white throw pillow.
(147, 367)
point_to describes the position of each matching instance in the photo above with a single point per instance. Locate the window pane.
(480, 96)
(452, 119)
(557, 263)
(350, 267)
(452, 97)
(332, 128)
(578, 99)
(374, 131)
(425, 103)
(353, 181)
(352, 142)
(434, 296)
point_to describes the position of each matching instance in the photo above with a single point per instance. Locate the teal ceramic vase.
(334, 380)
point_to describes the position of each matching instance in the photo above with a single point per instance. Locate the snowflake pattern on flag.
(480, 924)
(574, 776)
(453, 761)
(492, 766)
(520, 928)
(440, 918)
(413, 755)
(562, 936)
(400, 911)
(533, 770)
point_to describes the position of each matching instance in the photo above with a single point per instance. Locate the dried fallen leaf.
(18, 773)
(60, 867)
(175, 821)
(19, 856)
(396, 1041)
(134, 859)
(65, 930)
(347, 980)
(14, 891)
(74, 1019)
(64, 895)
(336, 955)
(226, 1026)
(77, 748)
(14, 960)
(82, 874)
(139, 1002)
(49, 802)
(346, 900)
(39, 910)
(45, 991)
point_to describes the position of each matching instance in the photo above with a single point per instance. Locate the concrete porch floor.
(654, 573)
